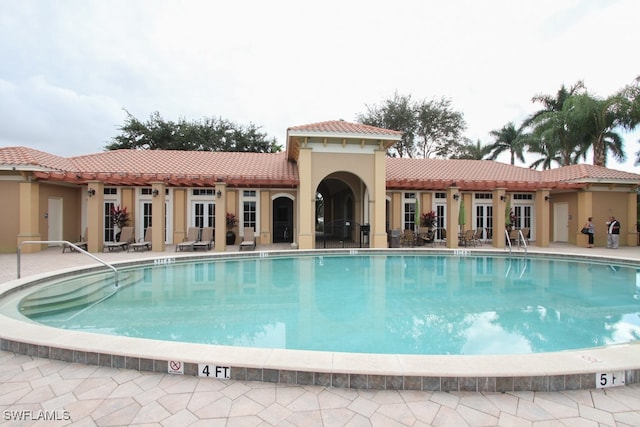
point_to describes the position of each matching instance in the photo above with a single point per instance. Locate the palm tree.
(598, 118)
(555, 136)
(508, 139)
(470, 151)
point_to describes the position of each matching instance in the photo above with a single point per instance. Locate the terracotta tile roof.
(485, 175)
(199, 167)
(587, 173)
(28, 157)
(438, 174)
(340, 127)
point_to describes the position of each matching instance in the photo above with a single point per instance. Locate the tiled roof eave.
(443, 185)
(344, 135)
(169, 179)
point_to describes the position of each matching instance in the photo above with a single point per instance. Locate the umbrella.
(462, 218)
(507, 213)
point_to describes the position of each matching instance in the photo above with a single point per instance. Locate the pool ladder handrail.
(72, 245)
(520, 239)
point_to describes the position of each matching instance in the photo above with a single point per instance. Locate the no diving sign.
(175, 367)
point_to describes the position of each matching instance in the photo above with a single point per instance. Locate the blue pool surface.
(394, 304)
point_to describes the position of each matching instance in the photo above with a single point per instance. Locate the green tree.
(470, 151)
(398, 114)
(430, 128)
(208, 134)
(597, 119)
(439, 128)
(555, 136)
(510, 139)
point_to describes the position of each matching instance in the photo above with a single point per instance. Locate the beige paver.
(93, 395)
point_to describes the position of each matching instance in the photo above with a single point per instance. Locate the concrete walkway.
(37, 391)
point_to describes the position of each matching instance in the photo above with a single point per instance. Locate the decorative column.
(29, 215)
(499, 197)
(453, 207)
(543, 213)
(306, 201)
(629, 231)
(158, 216)
(378, 234)
(220, 238)
(95, 216)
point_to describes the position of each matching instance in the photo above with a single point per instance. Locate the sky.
(70, 70)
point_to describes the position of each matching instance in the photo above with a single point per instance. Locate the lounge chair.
(249, 239)
(82, 243)
(126, 237)
(143, 244)
(206, 239)
(193, 236)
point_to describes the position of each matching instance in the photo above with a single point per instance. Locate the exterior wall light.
(91, 192)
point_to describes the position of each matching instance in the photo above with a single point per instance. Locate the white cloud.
(71, 66)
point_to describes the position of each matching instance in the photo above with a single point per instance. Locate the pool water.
(393, 304)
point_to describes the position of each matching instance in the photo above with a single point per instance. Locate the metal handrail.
(506, 233)
(75, 247)
(520, 239)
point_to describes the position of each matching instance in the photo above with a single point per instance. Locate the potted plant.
(119, 219)
(231, 223)
(428, 219)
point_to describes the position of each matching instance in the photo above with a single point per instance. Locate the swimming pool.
(383, 304)
(543, 371)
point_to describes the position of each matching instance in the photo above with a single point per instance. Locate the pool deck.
(98, 395)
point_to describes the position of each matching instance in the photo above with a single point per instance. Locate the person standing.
(613, 233)
(591, 231)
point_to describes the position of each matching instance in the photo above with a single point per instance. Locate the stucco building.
(333, 178)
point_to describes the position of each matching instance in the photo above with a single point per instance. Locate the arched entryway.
(341, 212)
(282, 219)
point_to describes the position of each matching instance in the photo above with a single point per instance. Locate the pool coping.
(554, 371)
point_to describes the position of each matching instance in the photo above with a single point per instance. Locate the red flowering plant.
(119, 216)
(231, 220)
(428, 219)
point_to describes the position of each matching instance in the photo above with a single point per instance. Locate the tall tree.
(439, 128)
(597, 119)
(555, 137)
(208, 134)
(396, 113)
(430, 128)
(510, 139)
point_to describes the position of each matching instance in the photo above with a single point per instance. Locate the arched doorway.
(340, 211)
(282, 220)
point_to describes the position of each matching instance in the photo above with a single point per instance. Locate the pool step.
(58, 299)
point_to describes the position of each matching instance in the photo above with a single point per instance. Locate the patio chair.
(525, 233)
(408, 238)
(468, 238)
(206, 239)
(82, 243)
(441, 235)
(477, 237)
(193, 236)
(249, 239)
(144, 243)
(126, 237)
